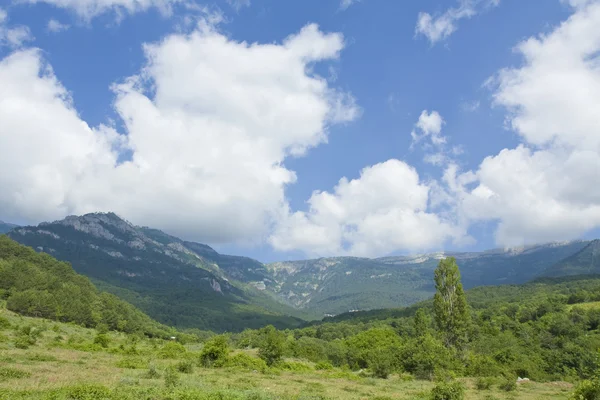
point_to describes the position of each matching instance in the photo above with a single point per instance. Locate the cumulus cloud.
(429, 125)
(209, 122)
(88, 9)
(439, 27)
(428, 133)
(55, 26)
(548, 188)
(12, 36)
(384, 210)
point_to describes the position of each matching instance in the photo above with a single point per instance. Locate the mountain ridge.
(156, 272)
(139, 262)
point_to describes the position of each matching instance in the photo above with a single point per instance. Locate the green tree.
(421, 323)
(272, 346)
(450, 304)
(215, 351)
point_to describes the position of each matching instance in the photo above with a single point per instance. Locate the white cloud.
(439, 27)
(384, 210)
(548, 188)
(209, 122)
(238, 4)
(345, 4)
(429, 126)
(55, 26)
(88, 9)
(12, 36)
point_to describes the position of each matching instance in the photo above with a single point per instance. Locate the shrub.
(294, 366)
(185, 367)
(22, 342)
(12, 373)
(271, 348)
(102, 340)
(215, 352)
(245, 361)
(152, 373)
(172, 350)
(171, 378)
(132, 363)
(587, 390)
(484, 383)
(323, 366)
(4, 323)
(453, 390)
(380, 363)
(88, 392)
(508, 384)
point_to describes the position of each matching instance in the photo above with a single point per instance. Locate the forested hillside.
(159, 274)
(546, 330)
(38, 285)
(585, 261)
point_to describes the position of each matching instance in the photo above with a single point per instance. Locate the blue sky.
(480, 90)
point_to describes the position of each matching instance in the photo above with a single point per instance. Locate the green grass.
(72, 368)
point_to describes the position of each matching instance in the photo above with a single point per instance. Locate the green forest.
(61, 338)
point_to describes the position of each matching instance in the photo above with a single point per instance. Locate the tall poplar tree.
(450, 304)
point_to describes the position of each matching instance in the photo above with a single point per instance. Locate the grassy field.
(65, 364)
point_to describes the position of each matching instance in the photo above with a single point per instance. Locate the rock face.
(159, 273)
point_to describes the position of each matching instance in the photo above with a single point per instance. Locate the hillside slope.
(38, 285)
(586, 261)
(340, 284)
(156, 272)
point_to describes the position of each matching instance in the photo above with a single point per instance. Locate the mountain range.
(161, 274)
(6, 227)
(188, 284)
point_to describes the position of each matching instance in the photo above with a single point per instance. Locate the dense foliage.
(546, 330)
(38, 285)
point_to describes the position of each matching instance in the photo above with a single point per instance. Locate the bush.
(185, 367)
(293, 366)
(484, 383)
(152, 373)
(171, 378)
(587, 390)
(172, 350)
(215, 352)
(12, 373)
(244, 361)
(508, 384)
(453, 390)
(271, 349)
(380, 363)
(88, 392)
(132, 363)
(323, 366)
(4, 323)
(102, 340)
(22, 342)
